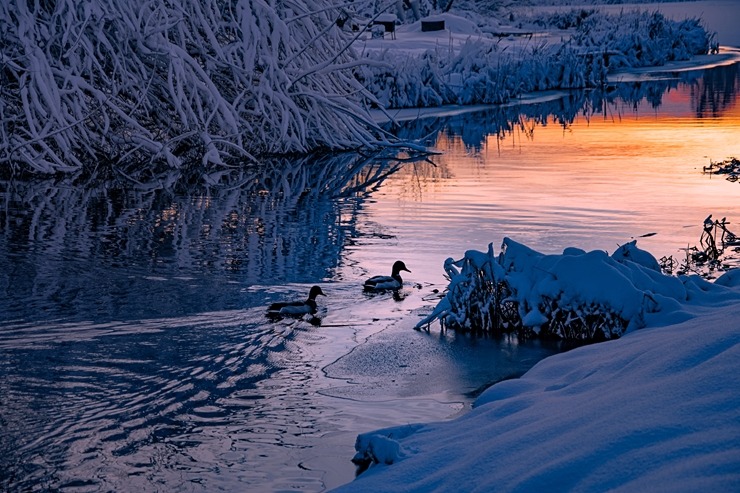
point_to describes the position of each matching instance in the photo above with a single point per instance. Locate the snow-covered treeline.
(490, 71)
(206, 82)
(503, 120)
(576, 295)
(173, 82)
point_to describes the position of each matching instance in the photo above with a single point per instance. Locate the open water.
(135, 354)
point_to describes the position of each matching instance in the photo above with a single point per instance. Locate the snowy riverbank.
(476, 59)
(657, 410)
(201, 87)
(719, 16)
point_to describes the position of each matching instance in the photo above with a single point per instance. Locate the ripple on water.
(212, 401)
(156, 401)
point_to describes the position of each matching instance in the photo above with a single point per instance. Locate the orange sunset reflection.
(594, 183)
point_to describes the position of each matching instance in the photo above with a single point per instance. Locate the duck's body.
(297, 307)
(384, 283)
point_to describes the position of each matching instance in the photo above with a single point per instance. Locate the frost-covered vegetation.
(576, 295)
(213, 83)
(489, 69)
(173, 82)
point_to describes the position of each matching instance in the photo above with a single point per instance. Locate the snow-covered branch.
(174, 82)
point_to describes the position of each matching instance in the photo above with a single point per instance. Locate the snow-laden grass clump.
(638, 39)
(575, 49)
(575, 295)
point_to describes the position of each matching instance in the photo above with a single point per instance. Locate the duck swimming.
(297, 307)
(394, 281)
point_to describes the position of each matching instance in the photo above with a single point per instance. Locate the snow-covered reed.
(488, 71)
(174, 82)
(576, 295)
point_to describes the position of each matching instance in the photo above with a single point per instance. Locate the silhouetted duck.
(394, 281)
(297, 307)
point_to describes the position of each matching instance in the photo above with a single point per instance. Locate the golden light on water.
(595, 183)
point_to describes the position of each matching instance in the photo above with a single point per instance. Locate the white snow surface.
(656, 410)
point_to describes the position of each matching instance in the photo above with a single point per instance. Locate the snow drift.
(657, 410)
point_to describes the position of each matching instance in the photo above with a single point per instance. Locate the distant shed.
(432, 23)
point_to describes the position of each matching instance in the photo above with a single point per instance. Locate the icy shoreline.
(657, 410)
(727, 56)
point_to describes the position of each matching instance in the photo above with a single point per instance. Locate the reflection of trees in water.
(500, 121)
(417, 177)
(712, 91)
(716, 92)
(102, 247)
(473, 128)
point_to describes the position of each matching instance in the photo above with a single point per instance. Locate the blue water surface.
(134, 349)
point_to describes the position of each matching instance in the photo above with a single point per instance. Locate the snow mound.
(381, 448)
(576, 295)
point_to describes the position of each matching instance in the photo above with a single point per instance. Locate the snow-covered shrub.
(639, 39)
(478, 74)
(482, 72)
(401, 80)
(576, 295)
(170, 82)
